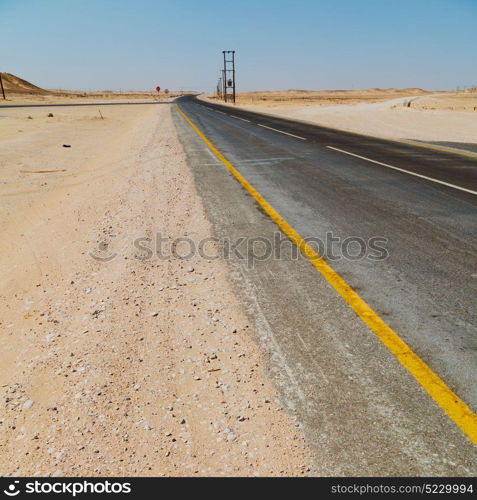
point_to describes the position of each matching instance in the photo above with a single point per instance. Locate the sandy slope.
(12, 83)
(126, 367)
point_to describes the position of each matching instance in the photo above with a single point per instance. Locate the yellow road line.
(455, 408)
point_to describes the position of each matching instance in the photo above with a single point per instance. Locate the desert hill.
(14, 84)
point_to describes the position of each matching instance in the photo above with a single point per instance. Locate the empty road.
(398, 223)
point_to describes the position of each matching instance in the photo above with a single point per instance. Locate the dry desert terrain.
(116, 362)
(131, 366)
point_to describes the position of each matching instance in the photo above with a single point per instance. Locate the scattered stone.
(28, 404)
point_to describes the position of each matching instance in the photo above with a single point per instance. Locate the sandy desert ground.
(128, 366)
(279, 98)
(409, 114)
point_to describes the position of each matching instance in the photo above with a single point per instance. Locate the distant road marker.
(444, 396)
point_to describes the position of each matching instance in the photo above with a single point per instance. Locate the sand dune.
(14, 84)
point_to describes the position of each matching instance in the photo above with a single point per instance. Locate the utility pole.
(229, 74)
(224, 89)
(1, 85)
(219, 87)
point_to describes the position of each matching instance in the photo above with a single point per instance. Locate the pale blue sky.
(280, 44)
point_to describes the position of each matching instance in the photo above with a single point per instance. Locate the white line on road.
(281, 132)
(405, 171)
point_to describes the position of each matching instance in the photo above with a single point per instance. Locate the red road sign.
(158, 89)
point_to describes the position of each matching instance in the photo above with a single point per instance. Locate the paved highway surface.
(362, 412)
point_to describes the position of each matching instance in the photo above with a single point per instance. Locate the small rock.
(28, 404)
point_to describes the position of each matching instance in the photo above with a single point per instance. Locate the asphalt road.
(362, 412)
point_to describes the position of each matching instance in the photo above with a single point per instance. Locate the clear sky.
(280, 44)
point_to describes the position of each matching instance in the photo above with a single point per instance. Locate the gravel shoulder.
(129, 365)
